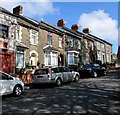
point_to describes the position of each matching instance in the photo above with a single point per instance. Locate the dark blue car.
(92, 70)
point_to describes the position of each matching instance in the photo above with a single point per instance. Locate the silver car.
(57, 75)
(9, 85)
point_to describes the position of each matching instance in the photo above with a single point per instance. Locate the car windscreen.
(91, 66)
(88, 66)
(41, 71)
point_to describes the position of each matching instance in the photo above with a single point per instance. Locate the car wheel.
(58, 82)
(76, 78)
(95, 74)
(17, 90)
(105, 73)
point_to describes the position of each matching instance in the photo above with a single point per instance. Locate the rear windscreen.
(41, 71)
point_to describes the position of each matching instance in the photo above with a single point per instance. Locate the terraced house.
(40, 43)
(25, 42)
(8, 28)
(102, 48)
(51, 45)
(72, 45)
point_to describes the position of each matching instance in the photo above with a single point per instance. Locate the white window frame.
(79, 44)
(99, 56)
(92, 46)
(23, 60)
(34, 58)
(33, 37)
(71, 42)
(60, 42)
(98, 45)
(87, 58)
(19, 34)
(49, 37)
(70, 58)
(103, 47)
(86, 44)
(51, 58)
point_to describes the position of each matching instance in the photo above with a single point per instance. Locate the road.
(98, 96)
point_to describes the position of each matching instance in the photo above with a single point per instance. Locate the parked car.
(92, 70)
(10, 84)
(57, 75)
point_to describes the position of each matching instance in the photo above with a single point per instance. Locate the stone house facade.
(73, 46)
(103, 49)
(40, 44)
(51, 45)
(8, 28)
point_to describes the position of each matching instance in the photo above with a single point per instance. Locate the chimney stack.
(86, 30)
(61, 23)
(18, 10)
(75, 27)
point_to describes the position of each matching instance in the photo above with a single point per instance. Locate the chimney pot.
(18, 10)
(86, 30)
(74, 27)
(61, 23)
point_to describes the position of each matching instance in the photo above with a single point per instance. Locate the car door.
(67, 74)
(1, 86)
(7, 83)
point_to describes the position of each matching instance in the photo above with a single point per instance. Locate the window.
(49, 39)
(79, 44)
(54, 58)
(3, 31)
(108, 58)
(87, 58)
(92, 46)
(71, 58)
(60, 42)
(99, 55)
(107, 48)
(19, 34)
(34, 37)
(86, 44)
(47, 58)
(98, 45)
(54, 70)
(103, 49)
(20, 59)
(33, 59)
(51, 58)
(71, 42)
(66, 69)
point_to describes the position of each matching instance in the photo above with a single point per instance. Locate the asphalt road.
(89, 96)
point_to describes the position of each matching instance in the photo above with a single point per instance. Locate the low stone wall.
(26, 78)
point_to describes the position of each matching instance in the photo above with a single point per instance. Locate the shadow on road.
(88, 97)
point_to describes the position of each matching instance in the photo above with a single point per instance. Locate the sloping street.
(99, 96)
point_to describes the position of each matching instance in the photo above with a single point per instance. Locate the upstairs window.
(71, 42)
(86, 44)
(49, 39)
(92, 46)
(98, 45)
(3, 31)
(34, 37)
(60, 42)
(103, 48)
(79, 44)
